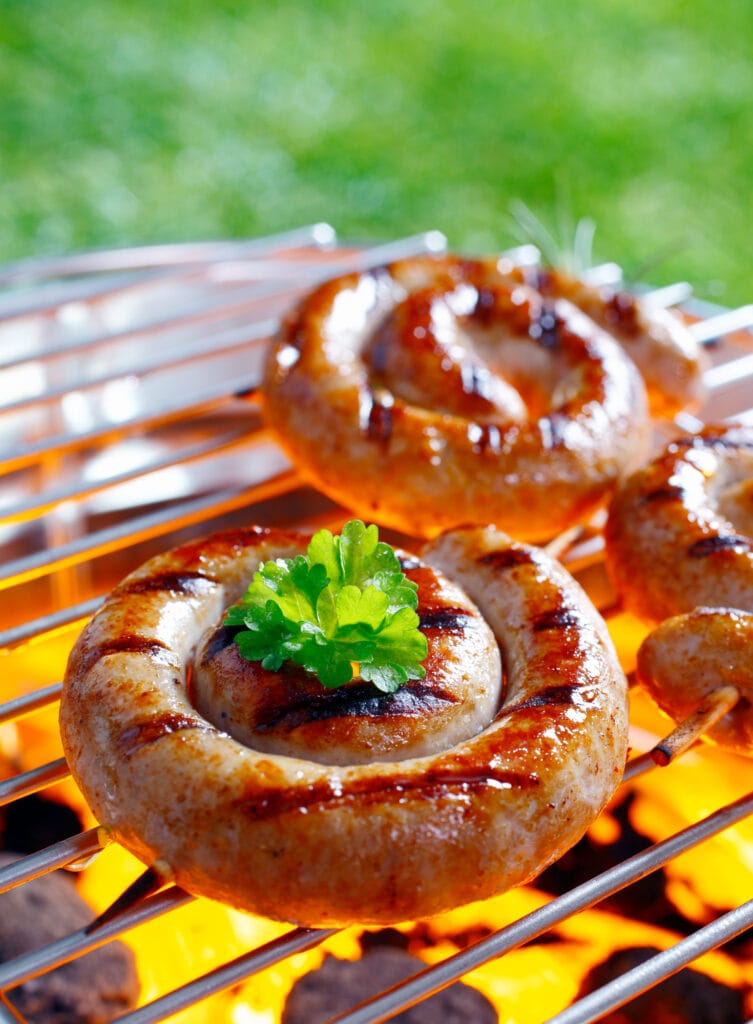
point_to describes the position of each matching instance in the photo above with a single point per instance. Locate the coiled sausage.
(396, 838)
(436, 392)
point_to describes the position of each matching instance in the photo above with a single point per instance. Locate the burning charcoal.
(688, 997)
(91, 990)
(645, 900)
(34, 822)
(340, 984)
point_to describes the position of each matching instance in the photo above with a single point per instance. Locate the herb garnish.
(346, 603)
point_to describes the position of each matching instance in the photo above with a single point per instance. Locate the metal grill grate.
(127, 424)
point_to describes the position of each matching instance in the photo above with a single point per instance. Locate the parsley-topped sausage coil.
(483, 804)
(436, 392)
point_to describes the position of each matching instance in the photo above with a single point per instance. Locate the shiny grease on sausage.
(320, 844)
(436, 392)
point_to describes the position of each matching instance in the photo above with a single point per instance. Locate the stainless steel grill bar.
(540, 921)
(660, 967)
(33, 781)
(715, 327)
(160, 256)
(45, 500)
(39, 961)
(119, 536)
(22, 634)
(86, 377)
(222, 978)
(234, 451)
(24, 705)
(231, 298)
(63, 854)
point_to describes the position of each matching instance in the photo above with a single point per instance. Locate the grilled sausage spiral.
(436, 392)
(420, 828)
(658, 341)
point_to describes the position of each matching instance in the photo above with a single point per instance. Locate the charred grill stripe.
(156, 728)
(718, 542)
(433, 785)
(545, 327)
(222, 638)
(669, 493)
(509, 558)
(451, 620)
(557, 618)
(127, 643)
(359, 700)
(185, 584)
(550, 696)
(375, 415)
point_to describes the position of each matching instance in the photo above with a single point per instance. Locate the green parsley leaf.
(345, 603)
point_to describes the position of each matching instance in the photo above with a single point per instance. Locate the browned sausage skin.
(438, 391)
(658, 340)
(680, 531)
(679, 548)
(689, 656)
(322, 844)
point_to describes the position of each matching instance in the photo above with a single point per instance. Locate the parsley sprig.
(346, 603)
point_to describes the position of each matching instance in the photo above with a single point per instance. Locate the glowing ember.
(535, 981)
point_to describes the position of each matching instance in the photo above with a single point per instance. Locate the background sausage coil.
(439, 391)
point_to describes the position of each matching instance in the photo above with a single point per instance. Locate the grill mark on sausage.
(358, 700)
(562, 695)
(621, 309)
(375, 414)
(718, 542)
(556, 618)
(145, 733)
(545, 327)
(222, 637)
(510, 558)
(185, 584)
(672, 492)
(127, 643)
(451, 620)
(433, 785)
(486, 305)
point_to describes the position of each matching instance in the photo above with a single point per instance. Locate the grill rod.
(638, 980)
(165, 901)
(423, 984)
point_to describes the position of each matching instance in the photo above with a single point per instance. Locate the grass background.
(126, 121)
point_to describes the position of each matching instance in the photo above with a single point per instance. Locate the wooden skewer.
(714, 706)
(559, 544)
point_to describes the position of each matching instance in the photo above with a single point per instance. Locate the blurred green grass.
(128, 122)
